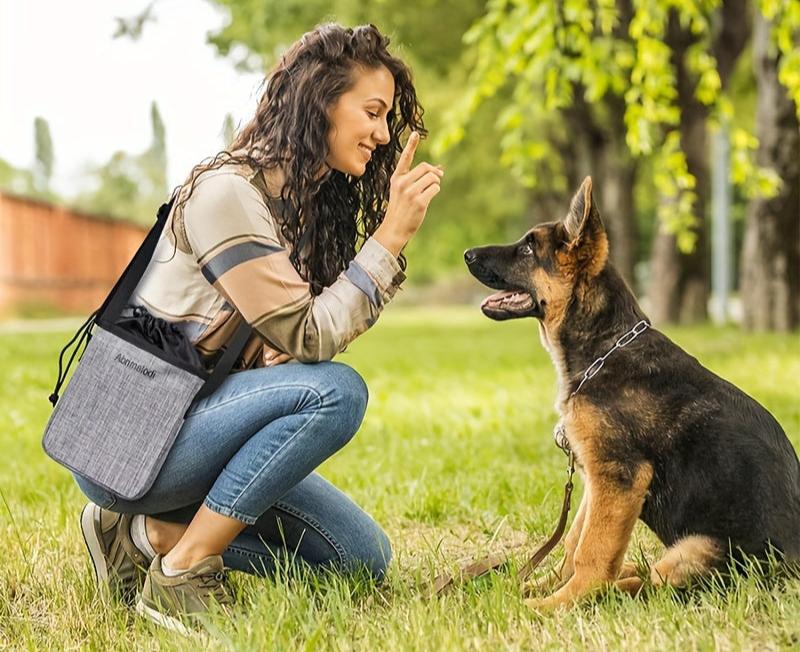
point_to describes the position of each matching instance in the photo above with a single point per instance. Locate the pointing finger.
(404, 163)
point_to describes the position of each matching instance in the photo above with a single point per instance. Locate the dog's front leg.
(611, 511)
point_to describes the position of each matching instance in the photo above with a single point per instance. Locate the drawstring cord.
(84, 332)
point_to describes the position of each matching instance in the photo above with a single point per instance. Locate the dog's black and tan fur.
(656, 435)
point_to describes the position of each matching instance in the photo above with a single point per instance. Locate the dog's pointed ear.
(587, 242)
(583, 218)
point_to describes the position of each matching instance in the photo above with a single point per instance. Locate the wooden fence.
(54, 259)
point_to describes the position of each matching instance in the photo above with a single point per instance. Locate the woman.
(268, 233)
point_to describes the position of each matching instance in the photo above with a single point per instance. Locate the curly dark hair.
(324, 218)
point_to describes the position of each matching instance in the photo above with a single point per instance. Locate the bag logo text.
(150, 373)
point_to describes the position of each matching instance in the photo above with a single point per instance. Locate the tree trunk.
(618, 175)
(731, 37)
(770, 264)
(679, 284)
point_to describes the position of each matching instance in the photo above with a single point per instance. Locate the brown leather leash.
(492, 562)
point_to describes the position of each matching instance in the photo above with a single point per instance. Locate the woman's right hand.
(410, 193)
(271, 357)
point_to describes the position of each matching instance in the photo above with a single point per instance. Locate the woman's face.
(358, 120)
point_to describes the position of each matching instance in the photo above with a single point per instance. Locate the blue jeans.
(248, 451)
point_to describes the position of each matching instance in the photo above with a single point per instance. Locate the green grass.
(454, 459)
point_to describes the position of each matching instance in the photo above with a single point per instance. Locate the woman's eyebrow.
(377, 99)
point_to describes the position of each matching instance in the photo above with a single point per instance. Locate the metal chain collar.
(559, 432)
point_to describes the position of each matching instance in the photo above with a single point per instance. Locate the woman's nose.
(381, 134)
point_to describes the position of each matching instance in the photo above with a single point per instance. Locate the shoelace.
(213, 585)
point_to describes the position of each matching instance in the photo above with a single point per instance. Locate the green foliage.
(258, 31)
(35, 182)
(676, 186)
(549, 52)
(785, 18)
(154, 160)
(480, 201)
(159, 144)
(526, 60)
(132, 27)
(117, 187)
(131, 186)
(16, 180)
(753, 180)
(454, 459)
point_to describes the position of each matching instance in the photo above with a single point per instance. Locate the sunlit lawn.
(454, 458)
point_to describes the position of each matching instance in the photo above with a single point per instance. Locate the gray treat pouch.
(120, 414)
(128, 398)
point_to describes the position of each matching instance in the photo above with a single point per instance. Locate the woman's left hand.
(271, 357)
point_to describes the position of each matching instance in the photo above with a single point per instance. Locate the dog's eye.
(527, 249)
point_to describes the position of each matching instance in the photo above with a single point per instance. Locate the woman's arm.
(234, 239)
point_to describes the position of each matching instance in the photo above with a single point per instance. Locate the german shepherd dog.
(656, 435)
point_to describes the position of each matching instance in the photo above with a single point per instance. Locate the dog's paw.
(547, 584)
(630, 585)
(628, 569)
(546, 605)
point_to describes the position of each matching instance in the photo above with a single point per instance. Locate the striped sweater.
(222, 258)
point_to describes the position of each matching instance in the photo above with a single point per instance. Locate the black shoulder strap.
(129, 279)
(116, 300)
(226, 362)
(127, 282)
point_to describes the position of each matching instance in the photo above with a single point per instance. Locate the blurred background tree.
(130, 185)
(524, 98)
(590, 80)
(43, 168)
(228, 130)
(771, 252)
(16, 180)
(33, 182)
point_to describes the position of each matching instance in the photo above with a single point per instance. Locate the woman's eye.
(372, 115)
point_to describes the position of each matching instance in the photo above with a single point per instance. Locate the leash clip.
(560, 437)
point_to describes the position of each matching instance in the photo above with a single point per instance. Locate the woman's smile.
(366, 151)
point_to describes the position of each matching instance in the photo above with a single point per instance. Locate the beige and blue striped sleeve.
(234, 239)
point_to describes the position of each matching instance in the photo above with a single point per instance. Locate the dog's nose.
(469, 256)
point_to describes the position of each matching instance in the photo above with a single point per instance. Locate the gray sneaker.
(119, 565)
(172, 601)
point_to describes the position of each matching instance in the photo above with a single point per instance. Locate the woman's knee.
(372, 551)
(347, 394)
(96, 494)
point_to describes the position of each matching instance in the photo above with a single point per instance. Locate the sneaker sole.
(168, 622)
(89, 516)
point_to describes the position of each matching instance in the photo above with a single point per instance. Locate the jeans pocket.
(97, 495)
